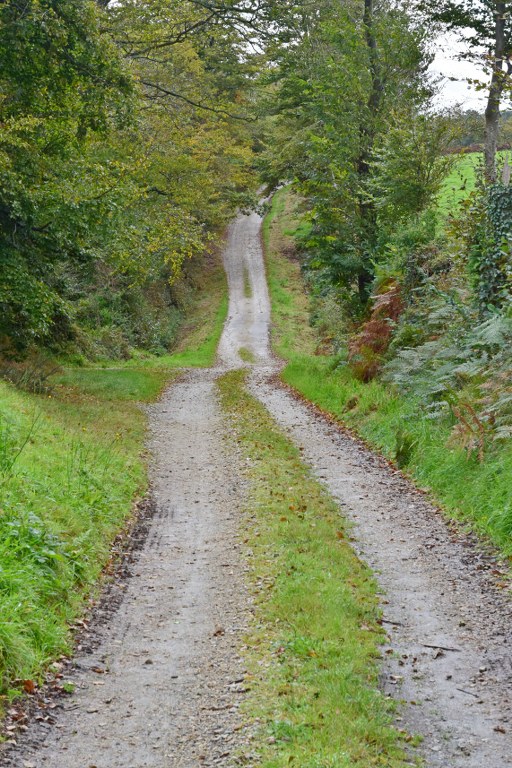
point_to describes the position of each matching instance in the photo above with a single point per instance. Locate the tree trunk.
(492, 111)
(376, 92)
(367, 211)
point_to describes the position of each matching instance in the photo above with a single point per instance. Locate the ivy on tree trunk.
(492, 111)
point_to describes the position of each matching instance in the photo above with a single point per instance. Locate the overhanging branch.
(198, 105)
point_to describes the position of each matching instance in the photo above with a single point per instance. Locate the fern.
(462, 370)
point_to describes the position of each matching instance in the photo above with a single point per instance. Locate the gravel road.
(162, 684)
(449, 622)
(159, 683)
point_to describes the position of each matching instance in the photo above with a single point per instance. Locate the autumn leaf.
(29, 686)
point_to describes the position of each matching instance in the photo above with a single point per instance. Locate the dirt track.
(162, 684)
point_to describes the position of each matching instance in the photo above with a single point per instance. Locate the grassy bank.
(200, 329)
(71, 465)
(314, 643)
(475, 492)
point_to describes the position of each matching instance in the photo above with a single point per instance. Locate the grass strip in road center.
(314, 644)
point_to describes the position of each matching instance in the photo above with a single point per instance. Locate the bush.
(33, 374)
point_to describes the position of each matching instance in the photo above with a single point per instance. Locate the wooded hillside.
(125, 149)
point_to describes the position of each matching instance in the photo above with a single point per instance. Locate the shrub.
(367, 348)
(33, 374)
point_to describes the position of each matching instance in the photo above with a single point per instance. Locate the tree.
(485, 28)
(408, 163)
(336, 89)
(61, 82)
(118, 155)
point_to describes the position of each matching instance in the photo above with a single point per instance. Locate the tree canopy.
(133, 130)
(125, 147)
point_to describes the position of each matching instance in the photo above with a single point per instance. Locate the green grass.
(71, 465)
(459, 184)
(314, 643)
(247, 284)
(116, 384)
(201, 334)
(290, 304)
(246, 355)
(63, 498)
(477, 493)
(202, 348)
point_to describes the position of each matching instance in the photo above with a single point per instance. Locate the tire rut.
(449, 624)
(162, 687)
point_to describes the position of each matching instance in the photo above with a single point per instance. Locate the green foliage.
(409, 168)
(71, 463)
(465, 372)
(108, 179)
(490, 252)
(62, 82)
(349, 132)
(446, 414)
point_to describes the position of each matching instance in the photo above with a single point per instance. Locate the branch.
(196, 104)
(167, 42)
(157, 191)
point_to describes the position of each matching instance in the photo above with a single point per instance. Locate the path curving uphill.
(248, 322)
(160, 683)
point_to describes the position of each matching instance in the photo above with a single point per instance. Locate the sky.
(456, 92)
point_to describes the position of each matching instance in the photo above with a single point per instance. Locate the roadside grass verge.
(72, 464)
(291, 332)
(477, 493)
(203, 329)
(313, 646)
(71, 467)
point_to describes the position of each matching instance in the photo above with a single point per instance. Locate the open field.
(462, 181)
(459, 184)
